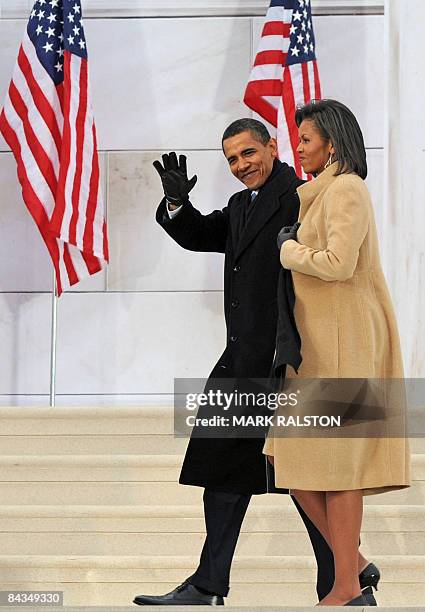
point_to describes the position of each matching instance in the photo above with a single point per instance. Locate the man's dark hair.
(258, 130)
(337, 123)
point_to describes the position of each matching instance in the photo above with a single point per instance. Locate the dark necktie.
(251, 205)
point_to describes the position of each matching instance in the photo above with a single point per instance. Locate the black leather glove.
(174, 179)
(288, 232)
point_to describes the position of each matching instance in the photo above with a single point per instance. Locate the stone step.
(238, 608)
(115, 581)
(277, 519)
(119, 444)
(123, 593)
(92, 444)
(74, 468)
(188, 543)
(119, 468)
(154, 493)
(259, 608)
(394, 569)
(42, 420)
(111, 444)
(86, 420)
(135, 427)
(417, 445)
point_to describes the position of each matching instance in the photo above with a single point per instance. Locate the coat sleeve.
(195, 231)
(347, 217)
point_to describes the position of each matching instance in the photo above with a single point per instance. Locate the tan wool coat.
(348, 329)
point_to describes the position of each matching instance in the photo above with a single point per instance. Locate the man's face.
(249, 159)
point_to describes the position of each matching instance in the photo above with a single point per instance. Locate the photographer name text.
(264, 421)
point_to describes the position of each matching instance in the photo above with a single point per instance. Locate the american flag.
(285, 73)
(47, 121)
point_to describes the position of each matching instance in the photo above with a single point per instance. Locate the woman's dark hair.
(257, 129)
(336, 122)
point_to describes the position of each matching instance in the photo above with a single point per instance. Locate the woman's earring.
(329, 162)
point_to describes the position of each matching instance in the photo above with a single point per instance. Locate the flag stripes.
(47, 121)
(285, 73)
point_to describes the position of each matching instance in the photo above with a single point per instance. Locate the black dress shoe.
(369, 577)
(368, 595)
(185, 594)
(357, 601)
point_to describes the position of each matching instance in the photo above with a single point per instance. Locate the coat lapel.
(237, 214)
(309, 191)
(282, 180)
(265, 206)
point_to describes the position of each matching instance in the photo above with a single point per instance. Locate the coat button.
(233, 338)
(235, 303)
(223, 366)
(236, 268)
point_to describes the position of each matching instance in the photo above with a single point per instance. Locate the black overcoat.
(247, 237)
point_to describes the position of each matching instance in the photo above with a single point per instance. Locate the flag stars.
(301, 32)
(55, 26)
(58, 25)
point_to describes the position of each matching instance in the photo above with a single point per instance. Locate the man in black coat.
(232, 469)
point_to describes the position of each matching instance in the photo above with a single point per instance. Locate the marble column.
(404, 211)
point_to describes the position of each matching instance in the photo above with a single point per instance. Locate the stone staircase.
(90, 505)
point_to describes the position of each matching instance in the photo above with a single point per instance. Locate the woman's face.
(314, 151)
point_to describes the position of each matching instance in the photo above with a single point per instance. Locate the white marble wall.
(158, 84)
(403, 174)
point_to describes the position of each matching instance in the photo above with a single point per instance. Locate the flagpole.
(53, 342)
(49, 77)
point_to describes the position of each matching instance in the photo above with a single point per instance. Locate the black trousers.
(224, 513)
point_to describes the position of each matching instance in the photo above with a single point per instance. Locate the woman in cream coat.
(345, 318)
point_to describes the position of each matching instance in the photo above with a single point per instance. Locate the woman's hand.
(288, 232)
